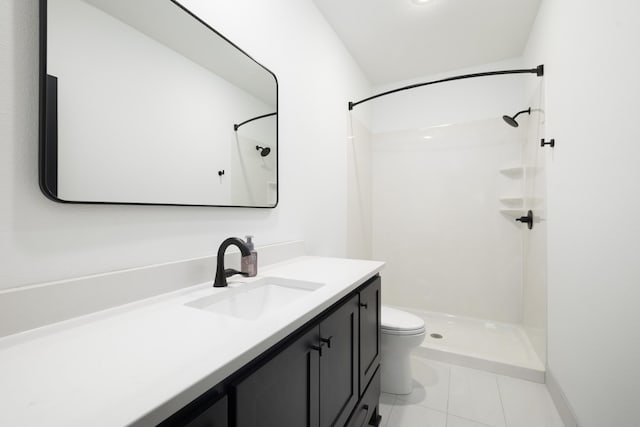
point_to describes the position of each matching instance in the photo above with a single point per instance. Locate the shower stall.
(448, 180)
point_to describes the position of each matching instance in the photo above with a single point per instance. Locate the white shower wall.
(436, 208)
(534, 241)
(359, 165)
(436, 219)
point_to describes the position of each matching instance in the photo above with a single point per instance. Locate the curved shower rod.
(236, 127)
(539, 71)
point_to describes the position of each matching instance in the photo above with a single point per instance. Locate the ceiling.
(396, 40)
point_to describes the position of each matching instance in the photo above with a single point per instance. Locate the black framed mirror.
(142, 102)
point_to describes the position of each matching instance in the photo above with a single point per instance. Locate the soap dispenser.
(249, 263)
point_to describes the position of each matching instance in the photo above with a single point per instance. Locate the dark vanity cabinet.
(215, 415)
(209, 410)
(284, 390)
(369, 331)
(366, 412)
(313, 382)
(339, 389)
(323, 375)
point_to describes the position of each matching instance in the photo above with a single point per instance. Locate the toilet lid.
(398, 320)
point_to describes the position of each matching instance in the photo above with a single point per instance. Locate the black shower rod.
(236, 127)
(539, 71)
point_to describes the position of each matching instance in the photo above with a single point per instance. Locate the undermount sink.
(255, 300)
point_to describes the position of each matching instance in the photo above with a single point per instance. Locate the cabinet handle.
(376, 422)
(327, 341)
(364, 305)
(364, 408)
(317, 348)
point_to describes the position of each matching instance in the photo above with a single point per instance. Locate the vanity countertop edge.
(139, 363)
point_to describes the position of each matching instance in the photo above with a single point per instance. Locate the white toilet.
(401, 332)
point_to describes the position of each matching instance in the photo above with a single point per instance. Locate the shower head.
(264, 151)
(511, 121)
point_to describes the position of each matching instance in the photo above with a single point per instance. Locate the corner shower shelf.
(513, 212)
(513, 172)
(515, 202)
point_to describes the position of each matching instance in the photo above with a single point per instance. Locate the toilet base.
(395, 363)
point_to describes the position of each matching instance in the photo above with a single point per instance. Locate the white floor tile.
(386, 404)
(416, 416)
(430, 385)
(453, 421)
(474, 395)
(527, 404)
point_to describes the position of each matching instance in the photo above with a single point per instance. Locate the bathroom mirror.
(143, 103)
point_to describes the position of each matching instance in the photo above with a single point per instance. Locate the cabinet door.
(214, 416)
(208, 410)
(339, 364)
(369, 331)
(284, 391)
(367, 410)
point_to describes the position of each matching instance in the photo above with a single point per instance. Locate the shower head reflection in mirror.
(264, 151)
(253, 169)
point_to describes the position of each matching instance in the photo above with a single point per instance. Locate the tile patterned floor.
(452, 396)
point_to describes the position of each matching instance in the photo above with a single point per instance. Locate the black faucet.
(221, 273)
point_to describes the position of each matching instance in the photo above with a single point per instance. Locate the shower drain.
(436, 336)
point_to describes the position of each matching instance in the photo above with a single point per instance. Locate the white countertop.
(141, 362)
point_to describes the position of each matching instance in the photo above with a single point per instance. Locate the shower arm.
(237, 126)
(539, 71)
(528, 111)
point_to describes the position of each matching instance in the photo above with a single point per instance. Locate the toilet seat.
(397, 322)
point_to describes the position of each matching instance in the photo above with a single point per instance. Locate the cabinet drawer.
(366, 413)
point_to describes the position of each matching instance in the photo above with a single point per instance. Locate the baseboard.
(560, 400)
(30, 307)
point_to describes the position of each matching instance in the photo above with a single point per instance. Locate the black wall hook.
(551, 142)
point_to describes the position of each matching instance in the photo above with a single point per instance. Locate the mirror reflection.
(147, 104)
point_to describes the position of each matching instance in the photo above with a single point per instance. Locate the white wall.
(436, 218)
(590, 51)
(43, 241)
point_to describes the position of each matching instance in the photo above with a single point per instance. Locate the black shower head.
(511, 121)
(264, 151)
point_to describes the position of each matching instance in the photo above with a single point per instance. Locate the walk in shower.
(448, 179)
